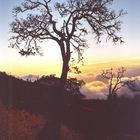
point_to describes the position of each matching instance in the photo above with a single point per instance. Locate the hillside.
(77, 119)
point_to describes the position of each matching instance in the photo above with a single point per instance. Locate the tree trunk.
(65, 69)
(65, 52)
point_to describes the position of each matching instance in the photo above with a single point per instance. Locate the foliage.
(73, 86)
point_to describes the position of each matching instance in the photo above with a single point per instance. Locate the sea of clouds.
(96, 86)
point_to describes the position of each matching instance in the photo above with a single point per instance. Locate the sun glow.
(51, 62)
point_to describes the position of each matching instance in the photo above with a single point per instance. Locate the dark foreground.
(36, 111)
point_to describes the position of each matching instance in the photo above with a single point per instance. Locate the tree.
(115, 81)
(39, 23)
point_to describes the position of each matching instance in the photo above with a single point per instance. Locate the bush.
(72, 86)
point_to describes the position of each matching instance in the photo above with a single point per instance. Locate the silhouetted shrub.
(72, 86)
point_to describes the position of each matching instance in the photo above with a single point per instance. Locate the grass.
(19, 125)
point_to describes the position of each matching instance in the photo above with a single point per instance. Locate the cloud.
(87, 77)
(130, 91)
(133, 71)
(95, 90)
(126, 92)
(100, 78)
(30, 77)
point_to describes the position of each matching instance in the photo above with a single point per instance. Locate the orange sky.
(51, 63)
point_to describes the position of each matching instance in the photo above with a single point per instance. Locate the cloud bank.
(97, 88)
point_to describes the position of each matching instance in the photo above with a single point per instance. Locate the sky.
(97, 54)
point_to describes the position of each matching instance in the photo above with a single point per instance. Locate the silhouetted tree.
(115, 81)
(69, 30)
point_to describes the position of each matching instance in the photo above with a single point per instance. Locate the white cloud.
(30, 77)
(98, 88)
(95, 90)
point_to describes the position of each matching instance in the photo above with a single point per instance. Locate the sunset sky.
(97, 56)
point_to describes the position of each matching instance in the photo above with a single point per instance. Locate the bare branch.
(115, 81)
